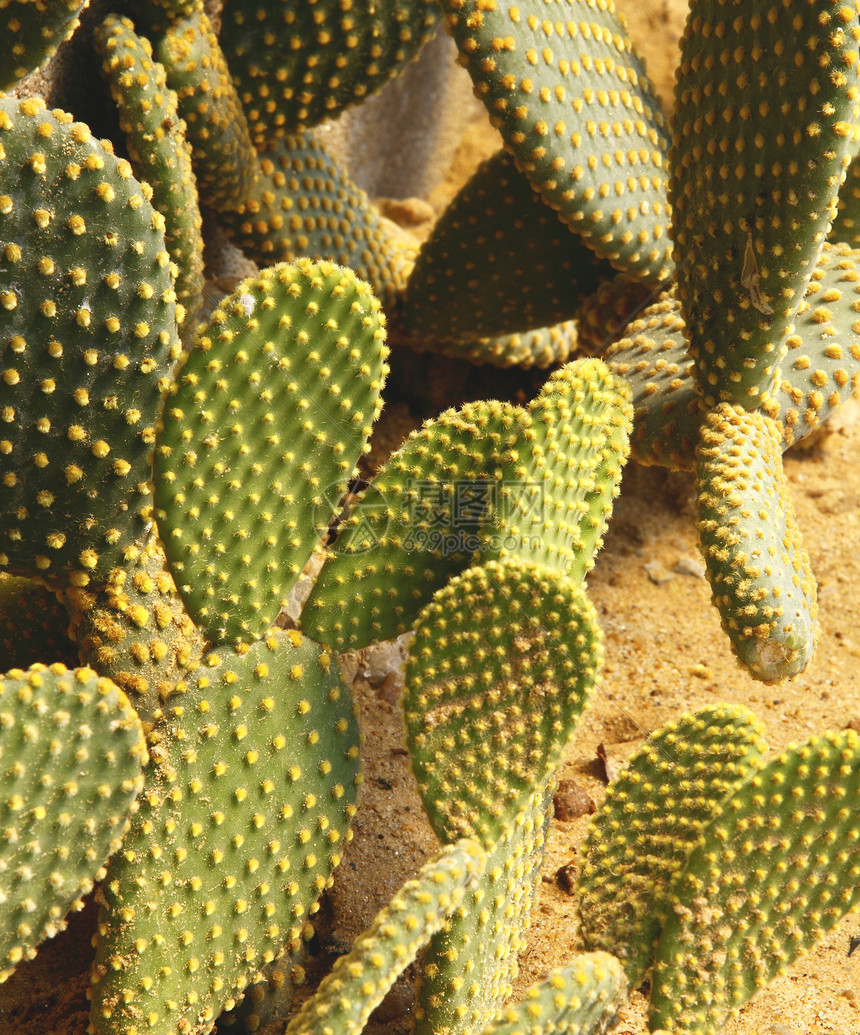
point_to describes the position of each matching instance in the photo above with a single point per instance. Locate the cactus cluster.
(159, 503)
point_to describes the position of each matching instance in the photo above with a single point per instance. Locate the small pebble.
(687, 565)
(657, 573)
(781, 1029)
(571, 801)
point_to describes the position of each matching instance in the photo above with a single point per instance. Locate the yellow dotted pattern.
(498, 261)
(760, 576)
(134, 630)
(360, 979)
(553, 507)
(602, 318)
(504, 660)
(225, 162)
(846, 224)
(652, 818)
(298, 64)
(269, 415)
(73, 752)
(87, 333)
(239, 831)
(33, 625)
(469, 967)
(30, 34)
(765, 121)
(304, 204)
(778, 868)
(157, 148)
(415, 526)
(561, 81)
(541, 348)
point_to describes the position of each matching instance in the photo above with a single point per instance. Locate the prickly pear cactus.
(760, 575)
(244, 820)
(504, 660)
(776, 869)
(31, 32)
(33, 626)
(72, 753)
(87, 332)
(653, 817)
(270, 413)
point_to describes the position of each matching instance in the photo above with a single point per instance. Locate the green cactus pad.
(225, 162)
(469, 966)
(753, 203)
(777, 868)
(245, 820)
(33, 626)
(846, 223)
(498, 261)
(134, 630)
(360, 979)
(579, 999)
(652, 819)
(760, 576)
(575, 108)
(603, 317)
(298, 64)
(270, 413)
(87, 332)
(504, 660)
(304, 204)
(414, 527)
(542, 347)
(555, 504)
(157, 148)
(31, 32)
(73, 753)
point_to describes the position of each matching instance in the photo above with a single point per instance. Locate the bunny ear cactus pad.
(73, 753)
(298, 64)
(414, 527)
(579, 999)
(752, 207)
(778, 866)
(503, 662)
(573, 103)
(87, 333)
(33, 625)
(360, 979)
(271, 411)
(541, 347)
(469, 966)
(652, 819)
(157, 147)
(246, 819)
(31, 32)
(760, 576)
(497, 261)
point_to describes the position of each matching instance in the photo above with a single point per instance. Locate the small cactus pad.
(579, 999)
(504, 660)
(31, 32)
(571, 98)
(554, 505)
(414, 527)
(134, 629)
(72, 755)
(542, 347)
(765, 100)
(87, 332)
(33, 626)
(469, 966)
(225, 162)
(652, 819)
(603, 317)
(304, 204)
(271, 411)
(244, 822)
(298, 64)
(360, 979)
(498, 261)
(760, 577)
(779, 865)
(157, 148)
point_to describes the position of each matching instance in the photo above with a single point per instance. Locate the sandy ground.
(665, 654)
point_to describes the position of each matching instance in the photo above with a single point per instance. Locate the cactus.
(33, 625)
(244, 819)
(31, 34)
(157, 147)
(241, 506)
(73, 752)
(88, 329)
